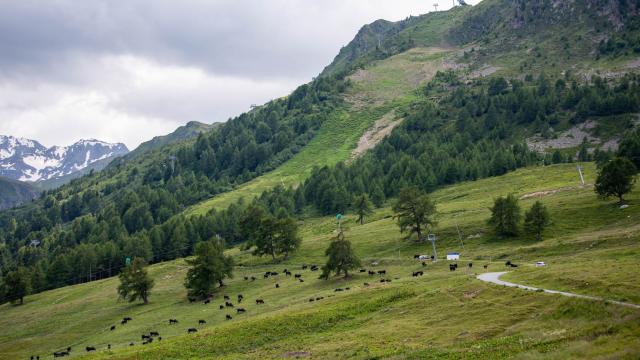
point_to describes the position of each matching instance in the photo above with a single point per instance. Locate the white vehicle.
(424, 257)
(540, 263)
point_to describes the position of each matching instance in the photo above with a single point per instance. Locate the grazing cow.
(273, 273)
(154, 333)
(201, 322)
(127, 319)
(266, 275)
(226, 297)
(123, 322)
(173, 321)
(192, 300)
(288, 273)
(382, 272)
(228, 317)
(486, 266)
(113, 327)
(109, 346)
(221, 307)
(300, 280)
(297, 276)
(228, 304)
(452, 267)
(372, 272)
(90, 348)
(417, 256)
(240, 310)
(159, 338)
(382, 280)
(320, 298)
(417, 273)
(470, 265)
(60, 354)
(206, 301)
(514, 265)
(347, 288)
(366, 284)
(338, 289)
(240, 296)
(312, 300)
(277, 286)
(259, 301)
(145, 337)
(131, 344)
(314, 268)
(253, 278)
(304, 267)
(363, 270)
(508, 263)
(192, 330)
(246, 278)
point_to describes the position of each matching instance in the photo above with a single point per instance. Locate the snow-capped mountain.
(28, 160)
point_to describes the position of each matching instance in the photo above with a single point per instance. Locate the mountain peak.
(28, 160)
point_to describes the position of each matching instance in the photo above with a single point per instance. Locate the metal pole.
(580, 172)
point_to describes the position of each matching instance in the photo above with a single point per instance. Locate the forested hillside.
(503, 80)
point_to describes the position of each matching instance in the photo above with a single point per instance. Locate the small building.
(453, 256)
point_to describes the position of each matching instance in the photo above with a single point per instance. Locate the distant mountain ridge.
(14, 193)
(188, 131)
(28, 160)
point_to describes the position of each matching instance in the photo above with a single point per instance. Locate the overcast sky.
(125, 71)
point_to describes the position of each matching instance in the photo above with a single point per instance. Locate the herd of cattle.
(149, 338)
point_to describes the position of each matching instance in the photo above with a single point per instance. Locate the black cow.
(363, 270)
(366, 284)
(207, 301)
(221, 307)
(145, 337)
(508, 263)
(372, 272)
(60, 354)
(240, 310)
(298, 276)
(253, 278)
(514, 265)
(113, 327)
(273, 273)
(486, 266)
(127, 319)
(173, 321)
(226, 297)
(417, 256)
(338, 289)
(424, 263)
(201, 322)
(123, 322)
(277, 286)
(470, 265)
(300, 280)
(382, 272)
(192, 300)
(90, 348)
(154, 333)
(228, 304)
(246, 278)
(192, 330)
(259, 301)
(228, 317)
(304, 267)
(452, 267)
(312, 300)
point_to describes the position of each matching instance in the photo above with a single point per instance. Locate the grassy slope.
(442, 314)
(383, 87)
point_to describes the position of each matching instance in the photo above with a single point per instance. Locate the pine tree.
(135, 283)
(536, 219)
(616, 178)
(362, 206)
(505, 216)
(377, 195)
(414, 211)
(583, 153)
(208, 268)
(341, 259)
(16, 285)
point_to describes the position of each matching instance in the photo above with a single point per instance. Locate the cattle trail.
(494, 277)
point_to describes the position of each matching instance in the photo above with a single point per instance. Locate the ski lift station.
(453, 256)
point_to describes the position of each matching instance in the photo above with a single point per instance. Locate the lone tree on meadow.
(16, 285)
(208, 268)
(616, 178)
(505, 216)
(415, 212)
(341, 258)
(135, 283)
(536, 219)
(362, 206)
(268, 234)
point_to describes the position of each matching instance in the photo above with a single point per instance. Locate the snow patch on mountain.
(28, 160)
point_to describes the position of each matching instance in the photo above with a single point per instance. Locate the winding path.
(494, 277)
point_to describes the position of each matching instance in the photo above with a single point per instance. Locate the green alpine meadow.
(461, 184)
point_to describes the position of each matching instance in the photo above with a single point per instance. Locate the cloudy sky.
(125, 71)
